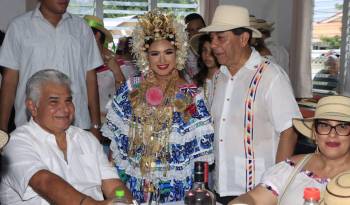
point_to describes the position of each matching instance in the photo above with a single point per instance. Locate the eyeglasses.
(342, 129)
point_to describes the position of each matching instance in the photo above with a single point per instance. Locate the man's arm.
(286, 145)
(93, 102)
(110, 185)
(57, 191)
(7, 95)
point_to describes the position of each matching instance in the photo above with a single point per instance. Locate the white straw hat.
(3, 138)
(328, 108)
(228, 17)
(338, 190)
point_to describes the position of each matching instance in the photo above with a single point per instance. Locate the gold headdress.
(156, 25)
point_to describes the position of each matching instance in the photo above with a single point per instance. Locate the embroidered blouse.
(276, 177)
(188, 142)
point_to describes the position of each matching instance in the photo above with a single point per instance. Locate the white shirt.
(279, 53)
(31, 149)
(274, 108)
(32, 44)
(276, 177)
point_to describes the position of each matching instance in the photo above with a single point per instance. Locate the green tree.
(339, 7)
(333, 42)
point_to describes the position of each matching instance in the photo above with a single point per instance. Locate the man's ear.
(245, 36)
(31, 107)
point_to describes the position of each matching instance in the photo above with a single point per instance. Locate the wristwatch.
(96, 126)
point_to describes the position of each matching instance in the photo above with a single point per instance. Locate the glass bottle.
(311, 196)
(119, 197)
(199, 195)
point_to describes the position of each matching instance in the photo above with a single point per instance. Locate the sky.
(325, 8)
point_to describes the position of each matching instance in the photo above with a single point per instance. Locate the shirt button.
(227, 99)
(231, 79)
(224, 119)
(221, 140)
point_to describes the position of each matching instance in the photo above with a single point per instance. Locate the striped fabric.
(249, 127)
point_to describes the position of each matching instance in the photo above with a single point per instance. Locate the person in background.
(194, 22)
(252, 109)
(279, 53)
(325, 81)
(125, 58)
(158, 123)
(49, 161)
(259, 43)
(330, 129)
(109, 75)
(207, 63)
(50, 37)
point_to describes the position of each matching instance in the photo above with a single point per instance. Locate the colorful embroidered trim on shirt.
(310, 174)
(268, 187)
(249, 127)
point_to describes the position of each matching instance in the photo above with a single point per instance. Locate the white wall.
(277, 11)
(12, 8)
(9, 9)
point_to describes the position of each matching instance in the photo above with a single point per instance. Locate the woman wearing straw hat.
(330, 128)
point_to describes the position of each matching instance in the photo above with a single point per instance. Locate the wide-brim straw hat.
(194, 43)
(228, 17)
(338, 190)
(3, 138)
(328, 108)
(97, 23)
(261, 24)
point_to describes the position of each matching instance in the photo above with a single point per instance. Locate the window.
(345, 50)
(120, 15)
(326, 42)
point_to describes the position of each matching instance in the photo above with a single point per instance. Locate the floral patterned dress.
(189, 140)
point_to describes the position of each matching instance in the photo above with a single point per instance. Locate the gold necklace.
(150, 127)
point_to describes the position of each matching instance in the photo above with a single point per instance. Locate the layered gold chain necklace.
(151, 124)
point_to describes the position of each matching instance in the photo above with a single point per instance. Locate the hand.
(91, 201)
(114, 66)
(97, 133)
(107, 202)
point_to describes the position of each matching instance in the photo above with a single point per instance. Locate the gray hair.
(42, 77)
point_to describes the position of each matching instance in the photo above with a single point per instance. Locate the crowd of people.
(171, 94)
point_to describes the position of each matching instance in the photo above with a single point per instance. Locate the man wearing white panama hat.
(50, 37)
(252, 109)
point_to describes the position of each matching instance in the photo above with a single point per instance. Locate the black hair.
(265, 32)
(193, 16)
(2, 37)
(241, 30)
(103, 36)
(200, 77)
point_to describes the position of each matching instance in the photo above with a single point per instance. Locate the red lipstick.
(332, 144)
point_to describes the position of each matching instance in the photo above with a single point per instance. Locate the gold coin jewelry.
(151, 123)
